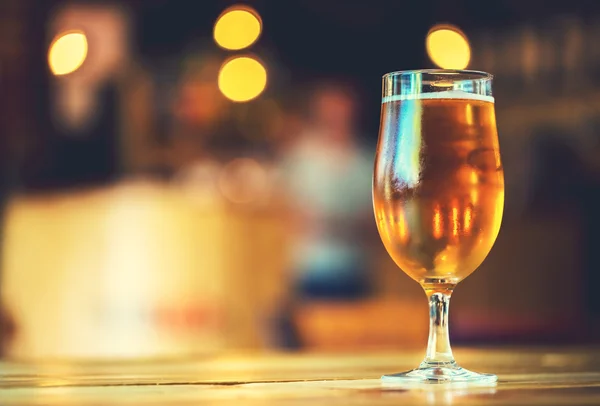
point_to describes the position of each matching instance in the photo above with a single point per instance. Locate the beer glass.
(438, 194)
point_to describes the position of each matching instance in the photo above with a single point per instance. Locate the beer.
(438, 187)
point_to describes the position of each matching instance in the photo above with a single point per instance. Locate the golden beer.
(438, 187)
(438, 194)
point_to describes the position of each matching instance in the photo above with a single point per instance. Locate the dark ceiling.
(324, 35)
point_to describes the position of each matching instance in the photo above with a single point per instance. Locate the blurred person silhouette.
(199, 122)
(197, 110)
(327, 174)
(289, 124)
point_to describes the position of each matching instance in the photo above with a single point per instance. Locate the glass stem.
(439, 352)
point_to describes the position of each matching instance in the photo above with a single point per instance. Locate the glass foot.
(443, 373)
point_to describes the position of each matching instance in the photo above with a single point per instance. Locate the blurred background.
(185, 177)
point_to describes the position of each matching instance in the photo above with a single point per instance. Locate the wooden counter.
(527, 376)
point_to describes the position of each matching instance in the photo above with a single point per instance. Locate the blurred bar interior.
(187, 177)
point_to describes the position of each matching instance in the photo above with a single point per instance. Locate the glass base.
(442, 373)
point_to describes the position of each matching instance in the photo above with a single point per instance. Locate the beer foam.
(447, 94)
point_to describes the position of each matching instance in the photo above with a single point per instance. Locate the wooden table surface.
(533, 376)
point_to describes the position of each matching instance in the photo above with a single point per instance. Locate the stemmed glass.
(438, 194)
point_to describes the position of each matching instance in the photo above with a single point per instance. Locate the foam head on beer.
(444, 94)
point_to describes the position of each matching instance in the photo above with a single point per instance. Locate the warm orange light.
(437, 223)
(237, 28)
(467, 220)
(402, 227)
(67, 53)
(469, 114)
(448, 47)
(242, 79)
(455, 220)
(499, 211)
(474, 176)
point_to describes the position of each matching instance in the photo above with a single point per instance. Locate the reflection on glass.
(446, 394)
(438, 164)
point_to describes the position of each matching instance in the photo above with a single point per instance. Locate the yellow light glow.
(437, 223)
(469, 114)
(448, 47)
(237, 28)
(242, 79)
(474, 178)
(468, 218)
(455, 220)
(67, 53)
(474, 196)
(402, 226)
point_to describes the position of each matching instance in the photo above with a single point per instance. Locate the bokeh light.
(242, 79)
(448, 47)
(67, 52)
(237, 28)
